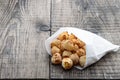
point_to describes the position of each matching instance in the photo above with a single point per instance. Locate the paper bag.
(96, 46)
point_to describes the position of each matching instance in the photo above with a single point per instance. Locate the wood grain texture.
(101, 17)
(24, 26)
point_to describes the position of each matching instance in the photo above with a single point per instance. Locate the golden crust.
(66, 53)
(55, 50)
(68, 45)
(82, 60)
(63, 36)
(74, 58)
(81, 52)
(56, 42)
(72, 36)
(56, 58)
(76, 47)
(67, 63)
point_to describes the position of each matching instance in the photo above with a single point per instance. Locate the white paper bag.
(96, 46)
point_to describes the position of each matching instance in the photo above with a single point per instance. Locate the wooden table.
(26, 24)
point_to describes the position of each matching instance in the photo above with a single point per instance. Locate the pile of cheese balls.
(68, 50)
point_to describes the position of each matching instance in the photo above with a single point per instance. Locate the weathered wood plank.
(24, 26)
(98, 16)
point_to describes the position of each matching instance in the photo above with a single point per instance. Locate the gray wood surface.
(98, 16)
(26, 24)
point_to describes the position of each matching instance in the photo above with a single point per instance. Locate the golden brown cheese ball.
(55, 50)
(72, 36)
(61, 47)
(66, 53)
(63, 36)
(74, 58)
(56, 58)
(80, 43)
(56, 42)
(76, 47)
(75, 41)
(68, 45)
(67, 63)
(82, 60)
(81, 52)
(84, 47)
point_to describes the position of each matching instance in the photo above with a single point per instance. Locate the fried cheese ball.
(84, 47)
(56, 58)
(56, 42)
(68, 45)
(67, 63)
(78, 42)
(72, 36)
(63, 36)
(82, 60)
(81, 52)
(75, 41)
(66, 53)
(76, 47)
(74, 58)
(55, 50)
(61, 47)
